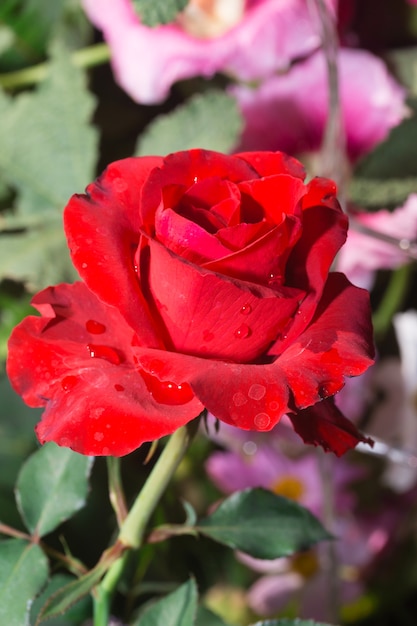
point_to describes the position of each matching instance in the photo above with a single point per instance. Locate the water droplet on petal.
(166, 391)
(69, 382)
(119, 387)
(274, 406)
(104, 352)
(239, 399)
(84, 265)
(246, 309)
(257, 392)
(95, 328)
(262, 421)
(98, 436)
(243, 331)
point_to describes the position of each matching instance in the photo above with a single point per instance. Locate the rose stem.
(85, 57)
(116, 495)
(392, 300)
(133, 527)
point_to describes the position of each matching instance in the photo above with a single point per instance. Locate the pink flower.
(288, 112)
(363, 254)
(250, 43)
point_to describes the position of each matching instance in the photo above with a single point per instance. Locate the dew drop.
(262, 421)
(84, 265)
(98, 436)
(256, 392)
(208, 335)
(246, 309)
(166, 391)
(195, 179)
(274, 406)
(104, 352)
(95, 328)
(119, 387)
(243, 331)
(250, 448)
(69, 382)
(239, 399)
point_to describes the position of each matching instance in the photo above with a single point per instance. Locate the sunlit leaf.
(176, 609)
(262, 524)
(210, 120)
(23, 572)
(52, 486)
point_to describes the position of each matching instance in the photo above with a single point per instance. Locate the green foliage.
(23, 572)
(155, 12)
(289, 622)
(52, 486)
(210, 120)
(262, 524)
(205, 617)
(16, 433)
(32, 21)
(75, 615)
(176, 609)
(48, 153)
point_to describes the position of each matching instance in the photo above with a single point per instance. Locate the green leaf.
(154, 12)
(48, 149)
(205, 617)
(17, 439)
(210, 120)
(33, 21)
(70, 594)
(395, 157)
(52, 486)
(262, 524)
(289, 622)
(23, 572)
(75, 615)
(177, 609)
(376, 193)
(38, 255)
(404, 63)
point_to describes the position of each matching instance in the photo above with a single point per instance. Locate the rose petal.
(96, 406)
(209, 315)
(324, 425)
(102, 229)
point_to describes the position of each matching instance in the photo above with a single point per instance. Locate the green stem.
(392, 300)
(86, 57)
(133, 527)
(116, 495)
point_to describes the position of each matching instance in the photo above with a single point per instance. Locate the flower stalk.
(133, 527)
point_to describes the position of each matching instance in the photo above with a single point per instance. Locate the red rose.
(206, 284)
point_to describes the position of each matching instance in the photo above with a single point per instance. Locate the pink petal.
(147, 61)
(364, 254)
(288, 112)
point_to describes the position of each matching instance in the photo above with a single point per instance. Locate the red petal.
(324, 425)
(270, 163)
(337, 343)
(211, 316)
(102, 228)
(324, 233)
(96, 401)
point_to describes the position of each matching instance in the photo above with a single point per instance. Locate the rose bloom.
(206, 284)
(207, 37)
